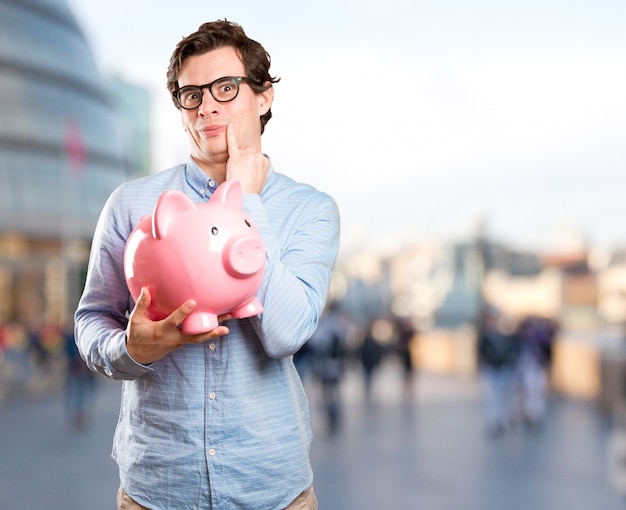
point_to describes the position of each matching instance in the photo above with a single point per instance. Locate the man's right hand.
(148, 341)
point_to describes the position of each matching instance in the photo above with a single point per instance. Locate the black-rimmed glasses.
(223, 90)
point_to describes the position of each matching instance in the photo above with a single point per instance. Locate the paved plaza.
(428, 452)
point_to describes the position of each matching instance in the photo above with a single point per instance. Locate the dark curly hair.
(216, 34)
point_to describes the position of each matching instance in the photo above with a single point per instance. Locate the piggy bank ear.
(169, 204)
(229, 193)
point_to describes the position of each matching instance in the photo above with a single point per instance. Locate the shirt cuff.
(122, 363)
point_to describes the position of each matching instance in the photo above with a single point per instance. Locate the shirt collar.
(203, 185)
(200, 182)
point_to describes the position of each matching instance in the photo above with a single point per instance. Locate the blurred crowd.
(340, 343)
(514, 358)
(36, 359)
(28, 352)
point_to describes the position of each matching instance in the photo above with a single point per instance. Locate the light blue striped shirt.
(225, 424)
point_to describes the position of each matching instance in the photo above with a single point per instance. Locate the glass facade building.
(62, 152)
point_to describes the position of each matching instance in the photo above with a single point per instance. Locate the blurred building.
(442, 287)
(436, 285)
(63, 148)
(134, 116)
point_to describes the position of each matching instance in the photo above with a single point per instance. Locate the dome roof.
(60, 149)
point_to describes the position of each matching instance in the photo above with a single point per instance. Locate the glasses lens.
(225, 89)
(190, 97)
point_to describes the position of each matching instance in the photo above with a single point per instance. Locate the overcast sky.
(420, 118)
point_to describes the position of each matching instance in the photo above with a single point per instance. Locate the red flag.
(75, 147)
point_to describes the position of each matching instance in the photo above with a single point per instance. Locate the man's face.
(206, 125)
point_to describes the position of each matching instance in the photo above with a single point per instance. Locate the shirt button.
(211, 183)
(212, 347)
(212, 395)
(212, 452)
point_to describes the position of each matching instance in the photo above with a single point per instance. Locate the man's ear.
(266, 99)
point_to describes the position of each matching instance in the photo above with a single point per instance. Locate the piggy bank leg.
(199, 322)
(252, 307)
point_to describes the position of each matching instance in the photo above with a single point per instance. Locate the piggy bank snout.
(243, 256)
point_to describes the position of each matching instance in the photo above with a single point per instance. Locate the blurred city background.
(477, 156)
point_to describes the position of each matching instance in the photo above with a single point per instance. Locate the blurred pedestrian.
(18, 364)
(2, 341)
(498, 352)
(406, 335)
(303, 361)
(536, 337)
(371, 355)
(329, 350)
(80, 384)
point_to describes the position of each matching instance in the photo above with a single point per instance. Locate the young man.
(217, 420)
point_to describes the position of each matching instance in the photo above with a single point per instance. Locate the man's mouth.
(210, 131)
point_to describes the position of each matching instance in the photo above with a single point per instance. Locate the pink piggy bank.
(209, 252)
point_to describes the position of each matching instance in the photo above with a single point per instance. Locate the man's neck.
(215, 171)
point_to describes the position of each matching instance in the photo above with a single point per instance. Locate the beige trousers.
(305, 501)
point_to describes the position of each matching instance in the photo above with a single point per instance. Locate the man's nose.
(208, 104)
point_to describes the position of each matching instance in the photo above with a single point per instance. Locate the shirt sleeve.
(298, 271)
(102, 314)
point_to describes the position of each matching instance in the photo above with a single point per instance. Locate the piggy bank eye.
(214, 231)
(247, 223)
